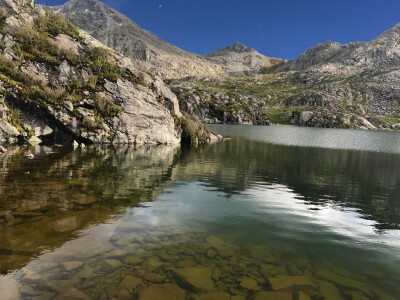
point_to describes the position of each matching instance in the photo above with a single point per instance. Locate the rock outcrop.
(60, 84)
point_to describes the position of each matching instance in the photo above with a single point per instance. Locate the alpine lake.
(274, 213)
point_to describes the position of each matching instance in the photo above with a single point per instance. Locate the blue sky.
(279, 28)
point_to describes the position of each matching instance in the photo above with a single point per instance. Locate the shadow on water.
(45, 201)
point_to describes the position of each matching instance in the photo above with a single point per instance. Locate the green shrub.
(193, 130)
(10, 70)
(3, 17)
(106, 108)
(28, 89)
(277, 116)
(100, 61)
(90, 124)
(54, 24)
(14, 118)
(37, 46)
(390, 119)
(74, 87)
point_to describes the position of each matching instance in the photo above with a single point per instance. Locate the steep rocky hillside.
(122, 34)
(57, 83)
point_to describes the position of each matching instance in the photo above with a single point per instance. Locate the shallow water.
(256, 217)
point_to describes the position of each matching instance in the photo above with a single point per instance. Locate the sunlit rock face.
(65, 85)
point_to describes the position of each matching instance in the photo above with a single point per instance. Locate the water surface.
(255, 217)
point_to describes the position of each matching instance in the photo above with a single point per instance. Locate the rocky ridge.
(59, 84)
(356, 85)
(168, 61)
(381, 53)
(120, 33)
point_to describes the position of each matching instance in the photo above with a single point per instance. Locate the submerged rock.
(86, 272)
(133, 260)
(303, 296)
(214, 241)
(238, 297)
(152, 263)
(153, 277)
(273, 296)
(71, 265)
(283, 282)
(214, 296)
(165, 291)
(110, 265)
(75, 294)
(196, 279)
(344, 281)
(130, 283)
(249, 284)
(329, 291)
(128, 227)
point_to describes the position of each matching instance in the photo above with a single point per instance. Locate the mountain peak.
(81, 3)
(237, 47)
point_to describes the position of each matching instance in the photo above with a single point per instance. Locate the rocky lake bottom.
(165, 262)
(244, 219)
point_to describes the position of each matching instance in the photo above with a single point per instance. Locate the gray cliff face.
(122, 34)
(69, 86)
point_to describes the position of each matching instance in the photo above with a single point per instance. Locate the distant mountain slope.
(381, 53)
(238, 59)
(122, 34)
(356, 85)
